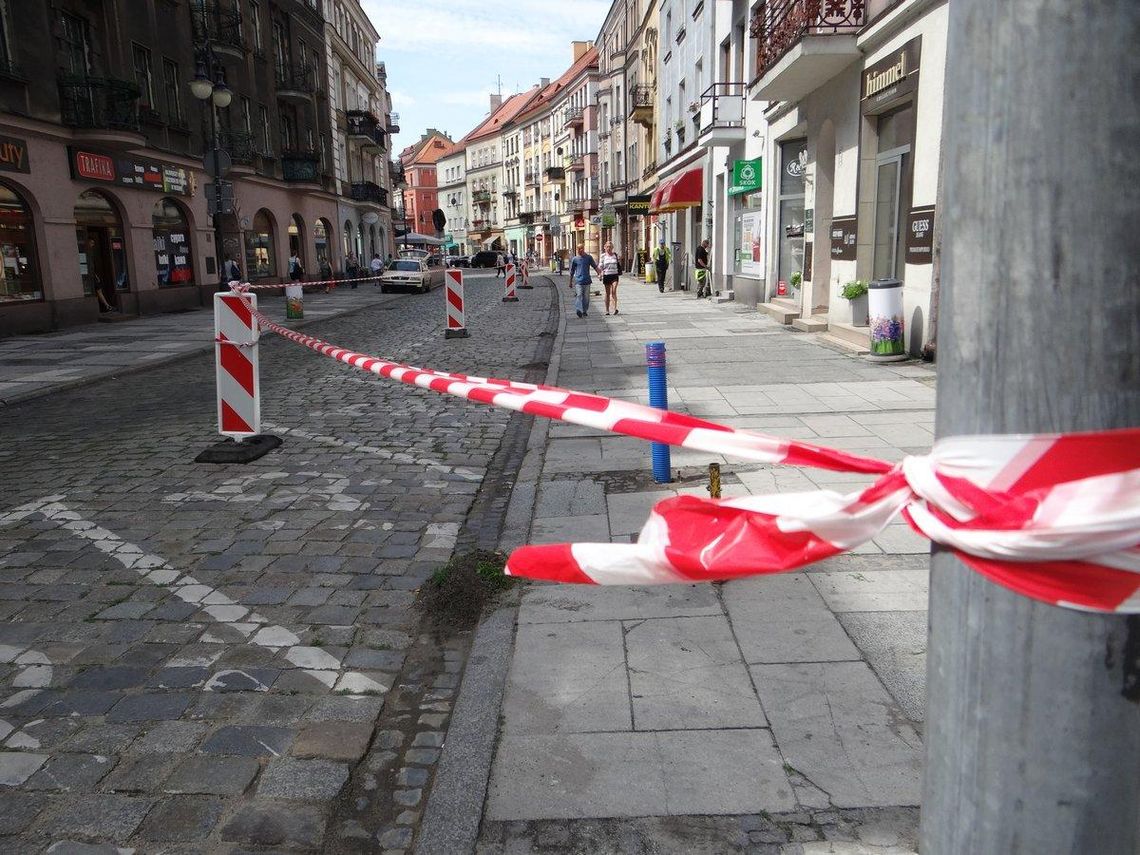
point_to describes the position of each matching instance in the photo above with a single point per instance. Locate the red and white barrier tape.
(246, 286)
(1052, 517)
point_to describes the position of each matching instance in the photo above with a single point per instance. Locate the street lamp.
(209, 84)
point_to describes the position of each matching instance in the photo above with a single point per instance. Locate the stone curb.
(455, 805)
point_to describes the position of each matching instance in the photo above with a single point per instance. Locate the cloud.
(400, 98)
(467, 98)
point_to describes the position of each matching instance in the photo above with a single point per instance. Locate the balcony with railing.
(295, 80)
(481, 197)
(369, 191)
(301, 165)
(575, 116)
(720, 120)
(641, 105)
(576, 162)
(531, 178)
(480, 225)
(393, 123)
(555, 173)
(218, 24)
(239, 144)
(801, 44)
(365, 128)
(99, 103)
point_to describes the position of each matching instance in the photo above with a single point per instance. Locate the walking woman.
(611, 272)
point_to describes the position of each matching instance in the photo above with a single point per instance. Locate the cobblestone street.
(195, 656)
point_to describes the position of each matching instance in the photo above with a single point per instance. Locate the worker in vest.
(661, 259)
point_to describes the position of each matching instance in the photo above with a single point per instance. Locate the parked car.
(485, 258)
(458, 261)
(413, 274)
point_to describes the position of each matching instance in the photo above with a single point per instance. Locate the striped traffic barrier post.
(525, 269)
(510, 296)
(453, 301)
(237, 378)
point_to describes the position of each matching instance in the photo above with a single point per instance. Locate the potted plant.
(855, 292)
(796, 279)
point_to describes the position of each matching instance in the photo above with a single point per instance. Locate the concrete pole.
(1033, 712)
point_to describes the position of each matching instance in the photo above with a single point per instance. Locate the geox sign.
(890, 78)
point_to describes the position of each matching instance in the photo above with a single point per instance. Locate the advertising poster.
(752, 243)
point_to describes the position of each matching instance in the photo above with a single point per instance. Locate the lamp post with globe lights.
(209, 86)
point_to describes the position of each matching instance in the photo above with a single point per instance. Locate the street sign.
(217, 163)
(220, 198)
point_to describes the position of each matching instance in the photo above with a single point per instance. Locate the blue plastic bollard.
(658, 397)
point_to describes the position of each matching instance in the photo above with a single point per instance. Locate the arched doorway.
(20, 274)
(260, 247)
(297, 238)
(172, 256)
(322, 243)
(349, 249)
(371, 241)
(102, 251)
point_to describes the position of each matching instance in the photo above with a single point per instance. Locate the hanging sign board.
(746, 176)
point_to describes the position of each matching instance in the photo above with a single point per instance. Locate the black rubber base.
(510, 299)
(246, 451)
(526, 287)
(459, 333)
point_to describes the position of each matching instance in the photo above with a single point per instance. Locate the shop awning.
(680, 192)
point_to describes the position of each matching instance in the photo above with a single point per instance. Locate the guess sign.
(920, 236)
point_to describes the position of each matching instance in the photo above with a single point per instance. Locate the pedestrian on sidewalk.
(232, 271)
(704, 274)
(376, 265)
(580, 280)
(500, 266)
(661, 259)
(611, 273)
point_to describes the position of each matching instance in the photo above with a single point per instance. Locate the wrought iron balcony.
(238, 144)
(577, 163)
(800, 44)
(511, 194)
(99, 102)
(721, 117)
(480, 225)
(641, 105)
(368, 191)
(532, 177)
(393, 123)
(574, 116)
(364, 128)
(481, 197)
(301, 165)
(555, 173)
(295, 80)
(526, 218)
(218, 24)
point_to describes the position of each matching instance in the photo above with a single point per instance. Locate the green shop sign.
(746, 176)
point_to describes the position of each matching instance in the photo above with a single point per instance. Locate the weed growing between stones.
(457, 592)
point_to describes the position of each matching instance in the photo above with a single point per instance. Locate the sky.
(444, 57)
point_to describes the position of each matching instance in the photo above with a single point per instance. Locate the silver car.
(413, 274)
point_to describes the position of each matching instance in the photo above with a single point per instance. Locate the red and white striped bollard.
(237, 366)
(510, 296)
(525, 269)
(453, 301)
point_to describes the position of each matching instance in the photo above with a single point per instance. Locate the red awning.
(679, 192)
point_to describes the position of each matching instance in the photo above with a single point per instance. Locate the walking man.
(580, 267)
(704, 274)
(661, 259)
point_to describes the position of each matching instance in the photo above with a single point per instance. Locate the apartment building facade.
(361, 117)
(110, 112)
(420, 190)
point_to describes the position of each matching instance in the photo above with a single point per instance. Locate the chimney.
(496, 102)
(543, 82)
(580, 49)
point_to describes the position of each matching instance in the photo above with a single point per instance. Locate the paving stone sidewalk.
(780, 714)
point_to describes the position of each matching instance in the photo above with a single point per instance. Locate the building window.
(171, 234)
(19, 276)
(246, 116)
(6, 60)
(263, 116)
(255, 25)
(75, 41)
(144, 77)
(171, 91)
(288, 134)
(280, 49)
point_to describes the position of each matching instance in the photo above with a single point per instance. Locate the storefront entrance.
(102, 252)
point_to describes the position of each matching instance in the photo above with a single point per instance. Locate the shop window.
(19, 278)
(321, 233)
(790, 229)
(171, 235)
(260, 250)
